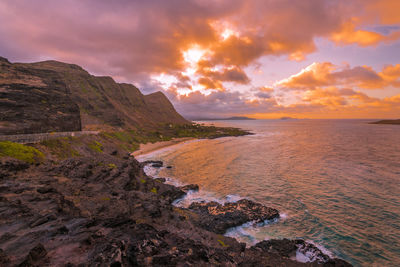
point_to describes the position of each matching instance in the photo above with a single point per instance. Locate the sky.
(221, 58)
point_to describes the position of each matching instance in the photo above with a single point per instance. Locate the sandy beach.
(150, 147)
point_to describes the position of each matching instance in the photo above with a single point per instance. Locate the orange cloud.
(348, 34)
(387, 10)
(230, 74)
(210, 84)
(328, 74)
(194, 47)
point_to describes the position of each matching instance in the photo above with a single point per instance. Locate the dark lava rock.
(10, 166)
(4, 259)
(193, 187)
(287, 249)
(154, 163)
(161, 180)
(37, 254)
(171, 193)
(61, 231)
(46, 189)
(218, 218)
(14, 165)
(102, 219)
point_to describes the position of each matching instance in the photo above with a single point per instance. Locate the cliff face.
(34, 100)
(54, 96)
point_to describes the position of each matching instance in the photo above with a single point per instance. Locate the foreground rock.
(105, 211)
(218, 218)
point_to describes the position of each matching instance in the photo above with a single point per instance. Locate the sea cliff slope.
(54, 96)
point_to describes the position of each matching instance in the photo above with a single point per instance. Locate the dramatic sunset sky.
(217, 58)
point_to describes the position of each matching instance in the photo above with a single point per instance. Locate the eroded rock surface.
(81, 211)
(218, 218)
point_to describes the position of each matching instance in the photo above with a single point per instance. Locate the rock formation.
(52, 96)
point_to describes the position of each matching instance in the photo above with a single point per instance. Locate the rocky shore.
(105, 211)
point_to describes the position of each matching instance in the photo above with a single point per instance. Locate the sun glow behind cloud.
(192, 56)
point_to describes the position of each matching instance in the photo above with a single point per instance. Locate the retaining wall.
(39, 137)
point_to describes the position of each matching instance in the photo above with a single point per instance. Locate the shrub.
(61, 147)
(96, 146)
(112, 166)
(22, 152)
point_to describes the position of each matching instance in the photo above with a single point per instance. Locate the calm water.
(336, 182)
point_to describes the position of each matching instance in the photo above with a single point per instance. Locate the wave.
(248, 232)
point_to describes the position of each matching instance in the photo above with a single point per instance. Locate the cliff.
(54, 96)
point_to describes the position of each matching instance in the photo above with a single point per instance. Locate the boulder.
(193, 187)
(217, 218)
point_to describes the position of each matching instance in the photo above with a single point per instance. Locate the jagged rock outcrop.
(218, 218)
(52, 96)
(105, 211)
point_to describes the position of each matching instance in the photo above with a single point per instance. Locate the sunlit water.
(336, 182)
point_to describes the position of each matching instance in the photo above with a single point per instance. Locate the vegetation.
(96, 146)
(130, 140)
(62, 147)
(222, 243)
(201, 131)
(112, 166)
(154, 190)
(22, 152)
(108, 142)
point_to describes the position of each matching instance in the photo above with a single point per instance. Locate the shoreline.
(152, 147)
(109, 208)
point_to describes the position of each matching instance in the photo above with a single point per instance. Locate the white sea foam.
(191, 196)
(306, 254)
(248, 232)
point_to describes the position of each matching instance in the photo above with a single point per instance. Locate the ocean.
(336, 183)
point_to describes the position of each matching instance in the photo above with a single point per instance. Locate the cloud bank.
(198, 51)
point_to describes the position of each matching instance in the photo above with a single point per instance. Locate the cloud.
(327, 74)
(210, 84)
(198, 50)
(219, 104)
(129, 38)
(348, 34)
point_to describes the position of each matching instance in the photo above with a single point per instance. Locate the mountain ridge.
(56, 96)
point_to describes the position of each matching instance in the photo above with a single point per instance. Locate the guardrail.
(39, 137)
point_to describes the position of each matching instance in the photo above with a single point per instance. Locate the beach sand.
(150, 147)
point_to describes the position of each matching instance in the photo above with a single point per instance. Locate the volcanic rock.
(218, 218)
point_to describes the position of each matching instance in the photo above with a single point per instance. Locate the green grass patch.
(154, 190)
(111, 166)
(96, 146)
(22, 152)
(61, 147)
(222, 243)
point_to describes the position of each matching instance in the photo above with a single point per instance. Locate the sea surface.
(336, 183)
